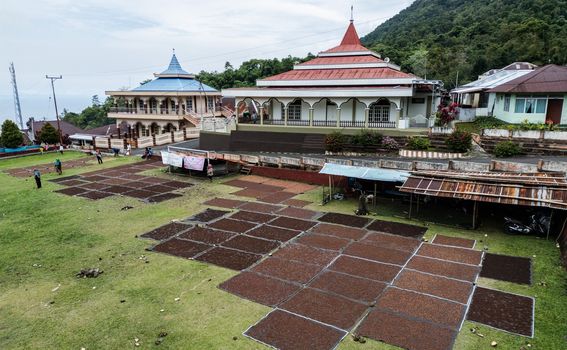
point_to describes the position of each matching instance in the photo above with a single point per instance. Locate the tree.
(418, 62)
(48, 134)
(11, 137)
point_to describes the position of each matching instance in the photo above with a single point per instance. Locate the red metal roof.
(337, 74)
(342, 60)
(350, 42)
(550, 78)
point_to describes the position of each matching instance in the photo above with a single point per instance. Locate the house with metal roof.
(474, 98)
(173, 100)
(539, 97)
(347, 87)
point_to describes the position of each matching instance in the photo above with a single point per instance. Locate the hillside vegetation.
(439, 38)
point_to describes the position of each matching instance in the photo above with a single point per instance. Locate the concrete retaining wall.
(469, 166)
(513, 167)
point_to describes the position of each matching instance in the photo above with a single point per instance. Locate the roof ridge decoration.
(350, 43)
(174, 69)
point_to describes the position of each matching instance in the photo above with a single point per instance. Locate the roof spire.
(174, 50)
(351, 14)
(351, 36)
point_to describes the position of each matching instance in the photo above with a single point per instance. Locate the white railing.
(178, 136)
(162, 139)
(146, 141)
(117, 143)
(101, 142)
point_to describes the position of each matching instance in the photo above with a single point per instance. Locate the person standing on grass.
(128, 149)
(61, 149)
(210, 172)
(37, 177)
(98, 157)
(58, 164)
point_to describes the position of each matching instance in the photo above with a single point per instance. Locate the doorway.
(554, 108)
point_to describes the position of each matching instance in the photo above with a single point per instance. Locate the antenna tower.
(16, 96)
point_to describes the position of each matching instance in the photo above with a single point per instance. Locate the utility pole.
(53, 78)
(16, 96)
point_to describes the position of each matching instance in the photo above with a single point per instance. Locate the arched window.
(379, 112)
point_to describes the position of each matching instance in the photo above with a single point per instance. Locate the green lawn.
(46, 238)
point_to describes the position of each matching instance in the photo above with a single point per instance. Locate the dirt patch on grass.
(435, 285)
(261, 207)
(206, 235)
(292, 271)
(323, 242)
(330, 309)
(261, 289)
(509, 312)
(372, 252)
(339, 231)
(507, 268)
(296, 203)
(163, 197)
(366, 269)
(117, 189)
(346, 220)
(179, 247)
(229, 258)
(406, 333)
(293, 224)
(397, 228)
(460, 255)
(224, 203)
(252, 216)
(72, 191)
(306, 254)
(277, 197)
(95, 186)
(454, 241)
(422, 306)
(390, 241)
(232, 225)
(298, 213)
(286, 331)
(444, 268)
(250, 244)
(166, 231)
(249, 193)
(348, 286)
(116, 181)
(74, 182)
(95, 195)
(159, 188)
(273, 233)
(140, 194)
(239, 183)
(61, 179)
(177, 184)
(93, 178)
(209, 215)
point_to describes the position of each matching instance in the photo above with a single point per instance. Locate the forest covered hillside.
(440, 38)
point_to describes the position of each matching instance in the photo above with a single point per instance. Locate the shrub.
(459, 141)
(335, 142)
(507, 149)
(446, 114)
(418, 143)
(11, 137)
(367, 138)
(390, 144)
(525, 125)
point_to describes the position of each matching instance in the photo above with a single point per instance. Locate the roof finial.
(174, 50)
(351, 13)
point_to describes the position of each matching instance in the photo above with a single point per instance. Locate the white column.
(366, 115)
(261, 116)
(338, 117)
(285, 115)
(311, 116)
(159, 102)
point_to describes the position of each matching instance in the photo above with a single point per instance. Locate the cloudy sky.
(100, 45)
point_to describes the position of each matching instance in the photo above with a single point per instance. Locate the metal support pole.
(410, 205)
(474, 223)
(549, 227)
(53, 78)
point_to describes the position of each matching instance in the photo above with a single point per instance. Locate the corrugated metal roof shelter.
(372, 174)
(538, 190)
(548, 79)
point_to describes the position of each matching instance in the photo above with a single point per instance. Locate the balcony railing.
(322, 123)
(162, 111)
(382, 125)
(329, 123)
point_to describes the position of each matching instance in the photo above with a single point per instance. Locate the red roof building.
(347, 86)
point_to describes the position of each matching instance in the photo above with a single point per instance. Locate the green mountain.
(441, 38)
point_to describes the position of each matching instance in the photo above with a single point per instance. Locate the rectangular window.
(210, 103)
(483, 100)
(378, 114)
(530, 105)
(294, 112)
(520, 104)
(418, 100)
(507, 103)
(190, 104)
(540, 106)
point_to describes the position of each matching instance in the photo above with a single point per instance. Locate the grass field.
(46, 238)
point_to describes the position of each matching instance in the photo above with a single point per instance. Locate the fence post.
(109, 143)
(184, 134)
(154, 139)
